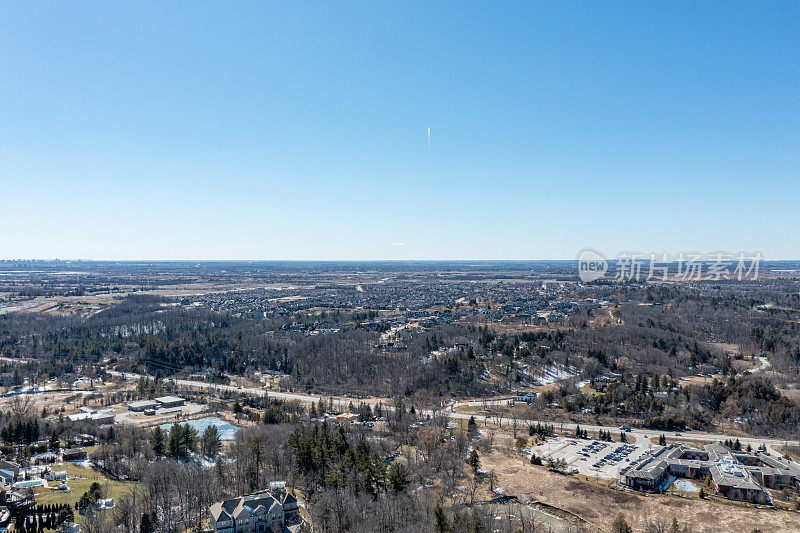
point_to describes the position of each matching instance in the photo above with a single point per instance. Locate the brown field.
(792, 394)
(598, 502)
(71, 401)
(733, 349)
(698, 380)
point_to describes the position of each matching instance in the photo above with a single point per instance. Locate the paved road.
(230, 388)
(765, 364)
(641, 436)
(480, 403)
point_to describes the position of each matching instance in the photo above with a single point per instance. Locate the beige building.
(256, 513)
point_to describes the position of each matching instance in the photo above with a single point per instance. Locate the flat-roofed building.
(142, 405)
(170, 401)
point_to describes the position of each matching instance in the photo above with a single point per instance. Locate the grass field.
(84, 477)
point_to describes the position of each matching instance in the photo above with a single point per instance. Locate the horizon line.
(373, 260)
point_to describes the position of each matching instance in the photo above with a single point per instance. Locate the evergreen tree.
(210, 441)
(620, 525)
(149, 522)
(182, 440)
(474, 461)
(158, 441)
(398, 477)
(55, 442)
(441, 525)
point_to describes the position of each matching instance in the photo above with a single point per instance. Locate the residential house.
(255, 513)
(74, 454)
(10, 467)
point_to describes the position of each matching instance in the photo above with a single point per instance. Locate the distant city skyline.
(408, 131)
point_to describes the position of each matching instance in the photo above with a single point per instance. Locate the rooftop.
(142, 403)
(170, 399)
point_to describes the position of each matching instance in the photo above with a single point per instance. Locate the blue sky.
(298, 130)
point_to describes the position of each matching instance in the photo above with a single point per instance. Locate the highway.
(640, 435)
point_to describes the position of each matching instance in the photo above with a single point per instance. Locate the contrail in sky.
(429, 138)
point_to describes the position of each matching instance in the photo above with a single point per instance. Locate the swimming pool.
(683, 484)
(226, 431)
(31, 483)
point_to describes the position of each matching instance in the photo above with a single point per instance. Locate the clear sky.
(299, 130)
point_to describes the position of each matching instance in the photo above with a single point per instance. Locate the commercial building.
(170, 401)
(142, 405)
(737, 475)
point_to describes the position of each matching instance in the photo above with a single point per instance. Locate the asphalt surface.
(640, 435)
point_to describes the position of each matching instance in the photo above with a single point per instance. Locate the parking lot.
(607, 460)
(161, 416)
